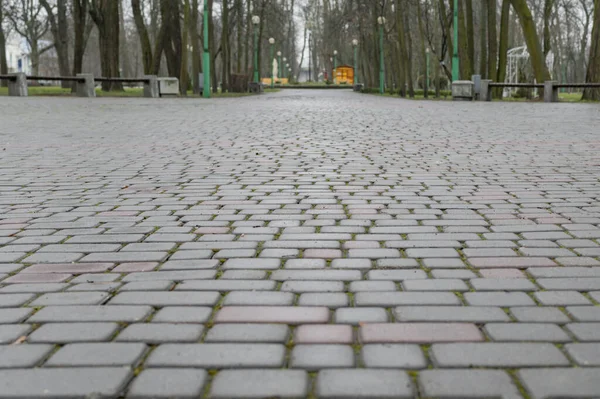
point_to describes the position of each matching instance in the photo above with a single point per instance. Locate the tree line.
(133, 37)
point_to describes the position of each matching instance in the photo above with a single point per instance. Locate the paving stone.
(356, 286)
(154, 333)
(192, 264)
(330, 300)
(419, 333)
(147, 256)
(397, 263)
(586, 354)
(9, 333)
(14, 300)
(71, 268)
(561, 298)
(20, 356)
(78, 314)
(71, 298)
(96, 278)
(52, 257)
(503, 284)
(356, 316)
(435, 285)
(388, 299)
(363, 384)
(178, 275)
(259, 298)
(585, 331)
(373, 253)
(443, 263)
(14, 315)
(467, 384)
(351, 264)
(522, 332)
(323, 334)
(506, 355)
(260, 384)
(519, 262)
(97, 354)
(215, 355)
(168, 383)
(182, 314)
(316, 357)
(561, 382)
(466, 314)
(226, 285)
(252, 263)
(272, 314)
(312, 286)
(500, 273)
(502, 299)
(26, 278)
(259, 333)
(64, 382)
(160, 299)
(332, 275)
(397, 275)
(576, 284)
(539, 315)
(393, 356)
(148, 286)
(64, 333)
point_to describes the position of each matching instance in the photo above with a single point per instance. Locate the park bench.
(85, 84)
(550, 87)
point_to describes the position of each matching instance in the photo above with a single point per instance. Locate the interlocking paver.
(561, 382)
(298, 233)
(97, 354)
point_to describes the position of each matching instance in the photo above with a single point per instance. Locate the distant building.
(17, 55)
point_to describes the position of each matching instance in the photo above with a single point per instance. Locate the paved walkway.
(299, 244)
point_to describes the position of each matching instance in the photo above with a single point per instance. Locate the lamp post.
(255, 22)
(282, 66)
(272, 42)
(381, 22)
(331, 63)
(355, 45)
(206, 55)
(309, 70)
(426, 92)
(287, 67)
(455, 61)
(335, 66)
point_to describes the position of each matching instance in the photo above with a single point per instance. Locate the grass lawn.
(562, 97)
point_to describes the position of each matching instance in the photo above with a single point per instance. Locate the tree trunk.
(123, 47)
(183, 72)
(470, 36)
(3, 61)
(548, 4)
(463, 44)
(483, 57)
(536, 55)
(593, 71)
(239, 30)
(80, 11)
(492, 38)
(59, 27)
(502, 58)
(225, 47)
(409, 69)
(402, 53)
(105, 14)
(143, 35)
(195, 47)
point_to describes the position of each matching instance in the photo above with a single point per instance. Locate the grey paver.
(260, 384)
(467, 384)
(9, 333)
(21, 356)
(523, 332)
(315, 357)
(153, 333)
(561, 382)
(72, 314)
(97, 354)
(372, 384)
(168, 383)
(64, 382)
(265, 333)
(182, 314)
(393, 356)
(58, 333)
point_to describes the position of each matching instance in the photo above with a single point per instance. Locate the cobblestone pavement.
(299, 244)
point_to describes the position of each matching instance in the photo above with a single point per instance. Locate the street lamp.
(355, 45)
(427, 51)
(280, 65)
(272, 42)
(206, 55)
(455, 61)
(335, 66)
(255, 22)
(381, 22)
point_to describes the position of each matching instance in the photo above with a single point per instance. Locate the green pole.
(280, 68)
(455, 60)
(206, 55)
(255, 53)
(271, 67)
(381, 61)
(355, 65)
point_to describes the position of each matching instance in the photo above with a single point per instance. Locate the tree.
(536, 56)
(502, 56)
(105, 14)
(81, 28)
(492, 39)
(593, 70)
(59, 27)
(3, 62)
(29, 20)
(142, 31)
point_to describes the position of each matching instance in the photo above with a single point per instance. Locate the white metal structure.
(515, 58)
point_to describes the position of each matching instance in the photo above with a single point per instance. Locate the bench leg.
(17, 87)
(85, 87)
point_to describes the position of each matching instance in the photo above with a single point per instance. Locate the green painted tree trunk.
(593, 70)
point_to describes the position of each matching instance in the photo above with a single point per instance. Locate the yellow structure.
(267, 81)
(344, 74)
